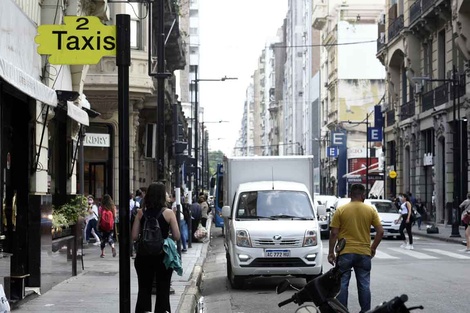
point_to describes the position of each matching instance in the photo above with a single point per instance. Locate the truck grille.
(277, 262)
(264, 242)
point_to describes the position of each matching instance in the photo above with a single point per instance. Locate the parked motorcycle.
(322, 291)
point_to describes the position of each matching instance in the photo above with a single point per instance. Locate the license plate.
(277, 253)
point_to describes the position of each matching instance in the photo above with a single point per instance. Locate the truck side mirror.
(321, 210)
(226, 211)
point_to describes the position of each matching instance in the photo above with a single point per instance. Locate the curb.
(192, 294)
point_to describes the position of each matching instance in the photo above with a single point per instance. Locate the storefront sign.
(97, 140)
(428, 159)
(80, 40)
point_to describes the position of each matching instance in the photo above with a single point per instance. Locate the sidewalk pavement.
(96, 289)
(445, 232)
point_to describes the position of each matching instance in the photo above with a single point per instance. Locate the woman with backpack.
(107, 216)
(150, 267)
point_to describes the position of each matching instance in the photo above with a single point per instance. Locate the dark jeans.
(92, 224)
(407, 226)
(150, 268)
(362, 265)
(184, 233)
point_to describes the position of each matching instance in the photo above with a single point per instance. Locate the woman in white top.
(92, 221)
(406, 222)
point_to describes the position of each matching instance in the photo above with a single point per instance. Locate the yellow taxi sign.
(80, 40)
(392, 174)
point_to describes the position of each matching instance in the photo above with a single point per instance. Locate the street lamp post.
(196, 81)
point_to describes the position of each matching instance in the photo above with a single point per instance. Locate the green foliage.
(59, 221)
(214, 158)
(68, 214)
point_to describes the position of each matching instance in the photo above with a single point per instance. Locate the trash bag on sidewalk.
(4, 304)
(200, 233)
(432, 229)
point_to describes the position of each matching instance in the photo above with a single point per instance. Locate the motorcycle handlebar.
(286, 301)
(397, 304)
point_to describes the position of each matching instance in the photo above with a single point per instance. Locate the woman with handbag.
(465, 205)
(406, 221)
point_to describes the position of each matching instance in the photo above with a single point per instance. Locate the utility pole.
(161, 76)
(196, 131)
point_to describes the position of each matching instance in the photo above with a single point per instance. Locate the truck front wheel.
(236, 282)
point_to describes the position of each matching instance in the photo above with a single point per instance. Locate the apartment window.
(192, 68)
(134, 10)
(427, 62)
(193, 31)
(404, 95)
(441, 54)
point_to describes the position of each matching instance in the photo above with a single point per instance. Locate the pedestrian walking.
(107, 215)
(196, 214)
(204, 209)
(152, 267)
(182, 223)
(91, 220)
(421, 210)
(352, 222)
(406, 221)
(465, 217)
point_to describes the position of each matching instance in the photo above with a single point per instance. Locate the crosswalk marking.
(450, 254)
(379, 254)
(414, 254)
(385, 253)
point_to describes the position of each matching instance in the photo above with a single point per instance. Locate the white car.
(388, 214)
(324, 220)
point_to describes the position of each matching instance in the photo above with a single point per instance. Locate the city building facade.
(46, 111)
(424, 47)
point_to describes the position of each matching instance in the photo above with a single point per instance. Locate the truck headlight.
(310, 238)
(243, 238)
(323, 218)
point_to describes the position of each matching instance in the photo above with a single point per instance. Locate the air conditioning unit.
(151, 141)
(418, 88)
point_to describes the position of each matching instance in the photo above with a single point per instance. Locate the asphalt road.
(435, 275)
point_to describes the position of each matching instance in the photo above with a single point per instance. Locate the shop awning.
(362, 171)
(77, 114)
(27, 84)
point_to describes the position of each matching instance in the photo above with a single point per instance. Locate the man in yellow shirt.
(352, 221)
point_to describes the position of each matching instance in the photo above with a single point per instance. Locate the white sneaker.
(465, 250)
(97, 243)
(410, 247)
(403, 246)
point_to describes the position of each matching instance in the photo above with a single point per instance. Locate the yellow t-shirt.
(354, 220)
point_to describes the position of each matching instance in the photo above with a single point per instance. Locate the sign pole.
(123, 62)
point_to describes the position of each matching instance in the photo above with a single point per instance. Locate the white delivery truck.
(270, 220)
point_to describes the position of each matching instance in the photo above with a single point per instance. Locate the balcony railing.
(441, 94)
(460, 87)
(427, 101)
(407, 110)
(395, 27)
(390, 117)
(415, 11)
(380, 43)
(426, 4)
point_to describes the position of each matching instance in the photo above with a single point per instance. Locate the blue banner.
(378, 117)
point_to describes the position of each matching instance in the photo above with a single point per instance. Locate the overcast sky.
(232, 36)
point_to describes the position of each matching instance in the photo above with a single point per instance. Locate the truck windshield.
(274, 203)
